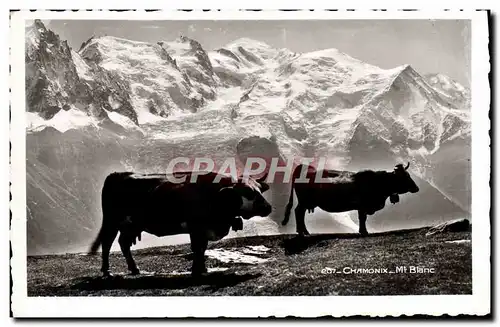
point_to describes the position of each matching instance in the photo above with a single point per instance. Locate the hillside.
(274, 265)
(118, 104)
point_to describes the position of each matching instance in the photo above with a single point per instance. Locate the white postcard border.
(337, 306)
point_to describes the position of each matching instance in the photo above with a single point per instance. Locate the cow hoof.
(237, 224)
(197, 272)
(363, 233)
(394, 198)
(107, 274)
(135, 271)
(304, 232)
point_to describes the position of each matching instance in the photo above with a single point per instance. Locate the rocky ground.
(418, 261)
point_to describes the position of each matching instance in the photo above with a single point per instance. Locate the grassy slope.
(294, 268)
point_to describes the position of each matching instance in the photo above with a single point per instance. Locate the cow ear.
(262, 179)
(264, 187)
(230, 201)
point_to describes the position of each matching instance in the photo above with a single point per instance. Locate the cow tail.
(97, 243)
(289, 206)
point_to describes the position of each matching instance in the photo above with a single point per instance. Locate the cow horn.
(407, 166)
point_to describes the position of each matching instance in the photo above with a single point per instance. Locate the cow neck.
(388, 183)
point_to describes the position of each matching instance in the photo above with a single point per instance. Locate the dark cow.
(365, 191)
(205, 209)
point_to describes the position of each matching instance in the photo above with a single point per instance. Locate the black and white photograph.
(303, 163)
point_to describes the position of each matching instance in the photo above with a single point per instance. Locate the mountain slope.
(452, 90)
(192, 59)
(156, 84)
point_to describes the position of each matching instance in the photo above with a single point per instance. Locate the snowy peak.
(410, 115)
(337, 56)
(309, 92)
(190, 57)
(249, 43)
(38, 25)
(96, 81)
(410, 75)
(444, 82)
(334, 68)
(182, 46)
(249, 53)
(453, 91)
(34, 32)
(242, 61)
(37, 34)
(109, 49)
(257, 48)
(59, 79)
(157, 87)
(409, 90)
(52, 80)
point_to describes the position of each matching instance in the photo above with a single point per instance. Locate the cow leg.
(125, 241)
(300, 213)
(108, 237)
(199, 244)
(362, 222)
(287, 213)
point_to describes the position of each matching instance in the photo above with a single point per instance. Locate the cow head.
(245, 198)
(403, 182)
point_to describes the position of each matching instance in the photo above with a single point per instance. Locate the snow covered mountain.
(451, 89)
(118, 104)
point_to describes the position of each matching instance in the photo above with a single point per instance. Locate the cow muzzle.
(266, 210)
(262, 210)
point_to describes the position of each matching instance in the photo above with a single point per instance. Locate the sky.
(429, 46)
